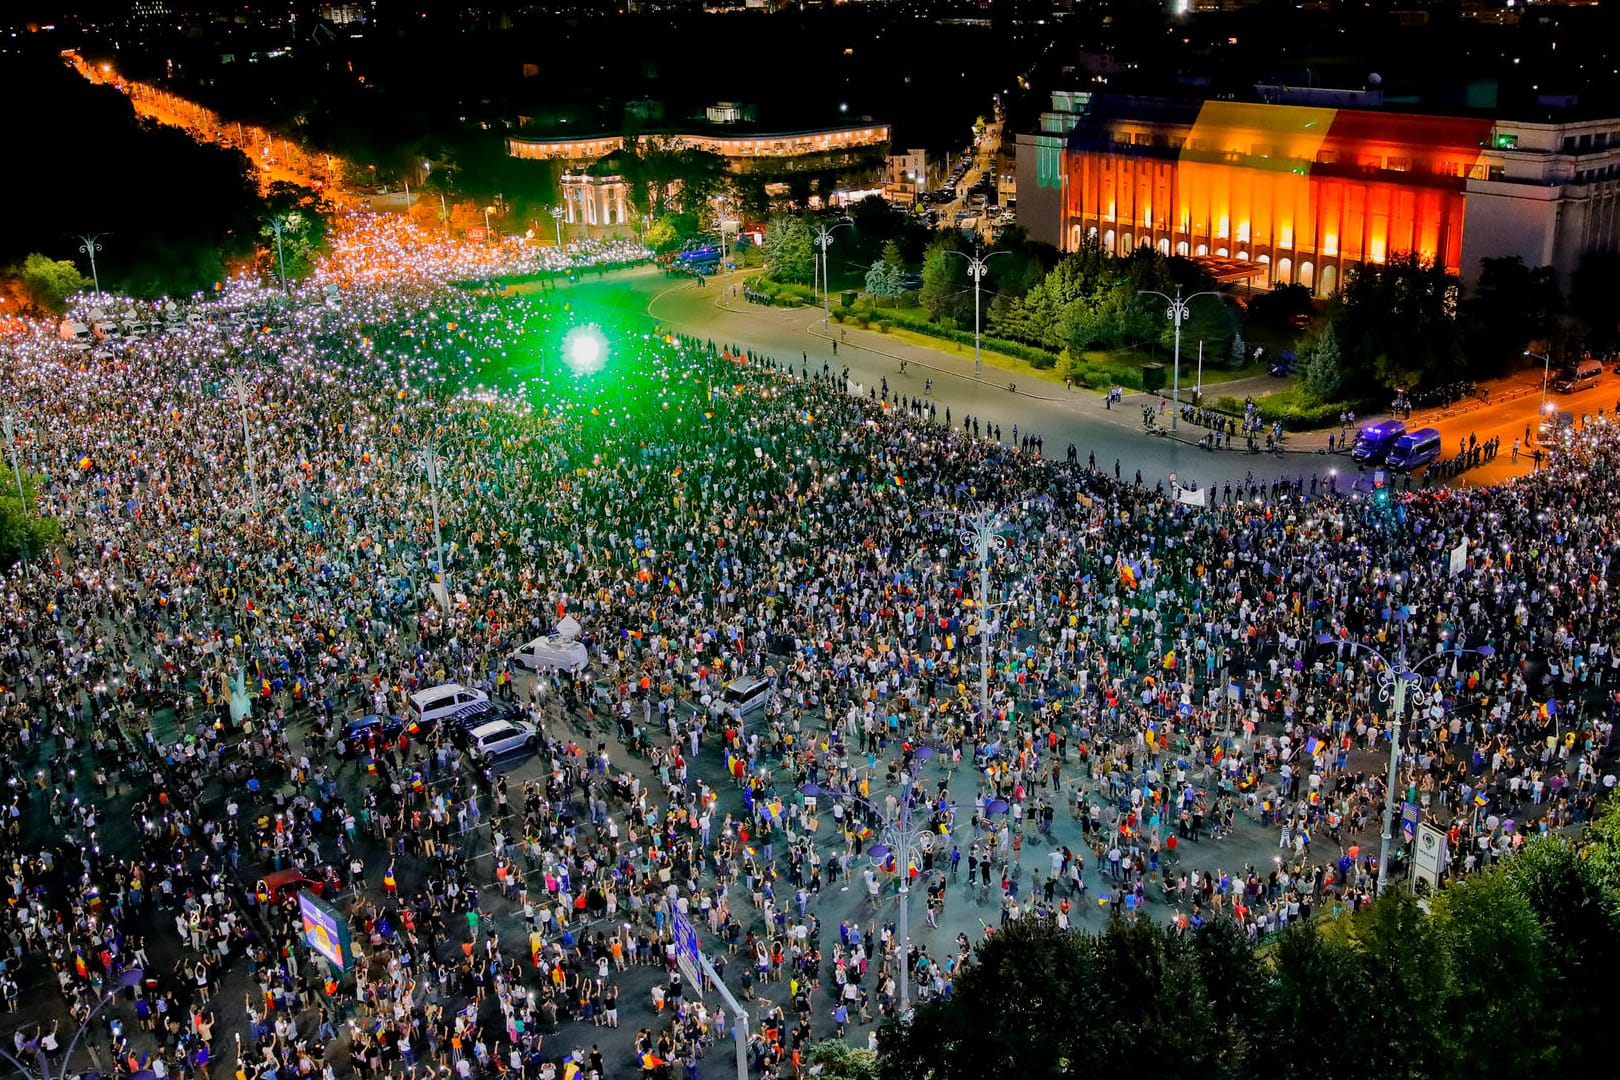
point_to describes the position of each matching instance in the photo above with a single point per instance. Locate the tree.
(1405, 989)
(1308, 1022)
(1497, 955)
(1319, 365)
(1579, 916)
(24, 532)
(303, 227)
(835, 1059)
(1512, 305)
(884, 281)
(661, 234)
(701, 175)
(466, 215)
(892, 257)
(789, 255)
(1023, 1006)
(1592, 292)
(48, 282)
(1397, 325)
(1281, 305)
(945, 287)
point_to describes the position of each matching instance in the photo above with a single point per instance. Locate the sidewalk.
(1494, 415)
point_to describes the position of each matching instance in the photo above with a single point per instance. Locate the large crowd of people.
(244, 572)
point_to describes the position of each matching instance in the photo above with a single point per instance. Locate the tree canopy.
(1505, 973)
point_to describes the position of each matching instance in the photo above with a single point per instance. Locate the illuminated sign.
(325, 930)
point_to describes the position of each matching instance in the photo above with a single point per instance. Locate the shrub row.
(1296, 412)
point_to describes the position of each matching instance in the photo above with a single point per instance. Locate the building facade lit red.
(1293, 194)
(1298, 192)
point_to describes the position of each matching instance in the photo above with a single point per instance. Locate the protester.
(221, 606)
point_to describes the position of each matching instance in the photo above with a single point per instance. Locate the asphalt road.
(796, 336)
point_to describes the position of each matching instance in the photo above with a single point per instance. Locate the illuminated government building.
(1274, 194)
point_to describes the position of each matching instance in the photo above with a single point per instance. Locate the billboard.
(325, 930)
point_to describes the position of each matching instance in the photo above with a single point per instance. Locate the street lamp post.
(824, 241)
(241, 387)
(720, 220)
(277, 224)
(557, 215)
(42, 1068)
(432, 462)
(978, 262)
(89, 244)
(1177, 314)
(906, 836)
(1395, 677)
(1546, 371)
(982, 534)
(489, 234)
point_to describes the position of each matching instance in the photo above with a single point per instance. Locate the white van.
(440, 701)
(554, 652)
(743, 696)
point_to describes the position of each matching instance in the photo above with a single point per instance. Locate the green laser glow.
(584, 350)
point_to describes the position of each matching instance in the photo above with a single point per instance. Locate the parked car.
(440, 701)
(279, 884)
(501, 737)
(357, 732)
(743, 696)
(1283, 365)
(479, 713)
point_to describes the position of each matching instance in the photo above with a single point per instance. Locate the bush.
(781, 292)
(1096, 376)
(1297, 410)
(919, 322)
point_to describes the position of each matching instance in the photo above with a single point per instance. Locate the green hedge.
(919, 323)
(1297, 410)
(781, 291)
(1103, 376)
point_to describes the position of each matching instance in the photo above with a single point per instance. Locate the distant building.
(1289, 194)
(149, 14)
(907, 176)
(745, 151)
(596, 196)
(1039, 167)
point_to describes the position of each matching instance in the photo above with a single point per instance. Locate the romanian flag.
(86, 462)
(1127, 576)
(899, 481)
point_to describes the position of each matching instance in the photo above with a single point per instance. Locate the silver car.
(501, 737)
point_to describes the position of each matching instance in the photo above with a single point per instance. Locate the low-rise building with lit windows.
(744, 151)
(1299, 192)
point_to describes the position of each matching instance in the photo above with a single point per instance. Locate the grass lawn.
(1132, 359)
(991, 358)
